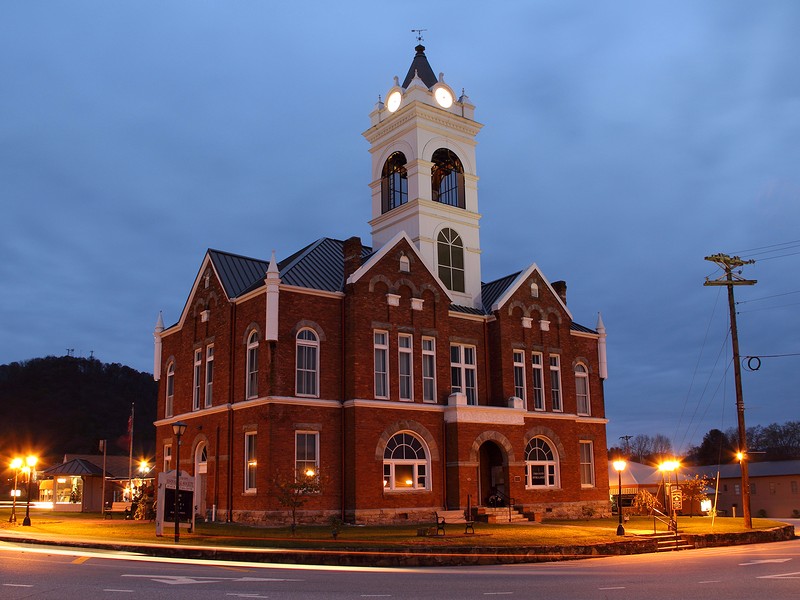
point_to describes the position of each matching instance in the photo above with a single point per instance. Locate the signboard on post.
(165, 501)
(676, 497)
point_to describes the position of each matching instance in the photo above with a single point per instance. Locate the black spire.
(421, 67)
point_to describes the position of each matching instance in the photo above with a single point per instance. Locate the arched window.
(307, 372)
(170, 397)
(394, 182)
(405, 463)
(447, 178)
(582, 390)
(450, 250)
(252, 365)
(541, 464)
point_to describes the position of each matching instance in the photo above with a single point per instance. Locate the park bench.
(448, 517)
(122, 508)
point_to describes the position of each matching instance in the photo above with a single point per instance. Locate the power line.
(765, 247)
(767, 297)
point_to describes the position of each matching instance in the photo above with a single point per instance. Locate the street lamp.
(16, 464)
(619, 467)
(30, 463)
(178, 429)
(670, 466)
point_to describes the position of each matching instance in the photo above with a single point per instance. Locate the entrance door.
(493, 474)
(200, 475)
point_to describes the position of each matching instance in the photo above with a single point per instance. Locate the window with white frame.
(463, 372)
(250, 461)
(209, 375)
(428, 369)
(519, 374)
(307, 374)
(381, 347)
(198, 378)
(450, 254)
(405, 463)
(587, 464)
(169, 404)
(252, 365)
(167, 458)
(538, 379)
(405, 366)
(582, 390)
(306, 453)
(555, 382)
(541, 464)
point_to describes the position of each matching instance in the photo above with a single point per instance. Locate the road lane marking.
(781, 576)
(619, 587)
(18, 585)
(246, 595)
(497, 593)
(80, 560)
(711, 581)
(186, 579)
(115, 590)
(764, 561)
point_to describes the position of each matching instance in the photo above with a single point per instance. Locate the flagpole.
(130, 456)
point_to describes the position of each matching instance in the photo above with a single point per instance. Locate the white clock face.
(393, 101)
(444, 97)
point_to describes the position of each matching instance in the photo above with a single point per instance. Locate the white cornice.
(392, 405)
(420, 110)
(467, 316)
(292, 400)
(496, 415)
(189, 416)
(592, 336)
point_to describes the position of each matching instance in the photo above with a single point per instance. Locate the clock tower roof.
(422, 68)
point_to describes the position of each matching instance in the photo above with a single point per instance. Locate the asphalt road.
(754, 571)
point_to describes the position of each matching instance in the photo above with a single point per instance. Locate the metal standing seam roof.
(237, 273)
(76, 466)
(491, 291)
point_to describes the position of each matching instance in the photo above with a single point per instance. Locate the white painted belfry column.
(157, 347)
(273, 282)
(601, 348)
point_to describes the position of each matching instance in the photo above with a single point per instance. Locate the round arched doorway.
(200, 475)
(493, 474)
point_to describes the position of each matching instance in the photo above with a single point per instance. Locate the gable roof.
(237, 273)
(76, 466)
(318, 266)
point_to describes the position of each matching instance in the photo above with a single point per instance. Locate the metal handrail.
(510, 502)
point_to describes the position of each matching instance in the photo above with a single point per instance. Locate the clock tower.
(424, 181)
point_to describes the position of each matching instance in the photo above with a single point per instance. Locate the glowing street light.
(16, 464)
(670, 466)
(30, 463)
(619, 467)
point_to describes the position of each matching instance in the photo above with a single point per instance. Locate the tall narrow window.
(428, 369)
(250, 461)
(306, 453)
(167, 458)
(587, 464)
(538, 386)
(541, 464)
(405, 463)
(198, 378)
(450, 252)
(519, 374)
(170, 398)
(555, 382)
(405, 367)
(447, 178)
(252, 365)
(394, 182)
(463, 372)
(582, 390)
(307, 374)
(381, 346)
(209, 375)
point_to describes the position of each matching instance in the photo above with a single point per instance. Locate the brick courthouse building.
(389, 372)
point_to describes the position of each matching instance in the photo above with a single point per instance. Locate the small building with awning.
(72, 486)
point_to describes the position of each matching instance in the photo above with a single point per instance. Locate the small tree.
(293, 491)
(694, 490)
(645, 502)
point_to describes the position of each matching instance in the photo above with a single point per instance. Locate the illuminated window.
(198, 378)
(538, 387)
(306, 453)
(394, 182)
(582, 390)
(555, 382)
(167, 458)
(519, 374)
(252, 365)
(209, 375)
(250, 462)
(428, 369)
(170, 398)
(447, 178)
(450, 252)
(405, 463)
(381, 348)
(541, 464)
(463, 372)
(405, 366)
(307, 363)
(587, 464)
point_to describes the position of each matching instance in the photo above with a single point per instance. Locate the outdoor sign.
(676, 498)
(165, 501)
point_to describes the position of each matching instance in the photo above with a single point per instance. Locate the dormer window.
(394, 182)
(447, 178)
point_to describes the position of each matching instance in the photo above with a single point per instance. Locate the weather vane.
(419, 33)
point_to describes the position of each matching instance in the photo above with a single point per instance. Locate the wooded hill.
(56, 405)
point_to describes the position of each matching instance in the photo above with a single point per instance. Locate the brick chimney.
(561, 289)
(352, 256)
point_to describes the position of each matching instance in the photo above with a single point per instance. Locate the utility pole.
(730, 279)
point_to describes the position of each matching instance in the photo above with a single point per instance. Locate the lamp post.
(30, 463)
(178, 429)
(619, 467)
(16, 464)
(670, 466)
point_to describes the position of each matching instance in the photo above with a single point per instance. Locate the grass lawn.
(549, 533)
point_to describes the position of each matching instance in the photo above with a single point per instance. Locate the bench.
(122, 508)
(447, 517)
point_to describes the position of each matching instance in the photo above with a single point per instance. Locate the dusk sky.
(623, 142)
